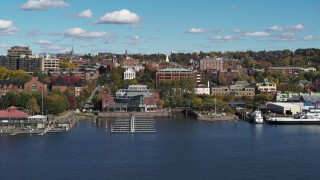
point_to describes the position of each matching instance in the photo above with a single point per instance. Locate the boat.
(301, 118)
(257, 117)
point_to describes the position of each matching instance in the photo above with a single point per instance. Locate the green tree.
(33, 106)
(97, 102)
(56, 103)
(197, 103)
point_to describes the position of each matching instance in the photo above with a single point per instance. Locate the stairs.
(133, 125)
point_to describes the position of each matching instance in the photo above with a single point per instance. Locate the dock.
(133, 124)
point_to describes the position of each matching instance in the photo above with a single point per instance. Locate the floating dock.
(133, 124)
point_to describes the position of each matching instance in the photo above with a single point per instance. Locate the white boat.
(304, 118)
(257, 117)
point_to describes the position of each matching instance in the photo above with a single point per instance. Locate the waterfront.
(182, 148)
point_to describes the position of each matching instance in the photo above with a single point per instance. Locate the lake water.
(182, 148)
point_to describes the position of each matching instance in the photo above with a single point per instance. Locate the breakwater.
(157, 114)
(211, 116)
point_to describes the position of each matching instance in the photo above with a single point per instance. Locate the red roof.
(13, 112)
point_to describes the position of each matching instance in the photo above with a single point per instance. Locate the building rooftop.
(175, 70)
(13, 112)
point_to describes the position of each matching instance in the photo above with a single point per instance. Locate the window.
(34, 86)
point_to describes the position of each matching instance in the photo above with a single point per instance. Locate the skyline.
(149, 26)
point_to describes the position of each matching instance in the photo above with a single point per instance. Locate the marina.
(182, 147)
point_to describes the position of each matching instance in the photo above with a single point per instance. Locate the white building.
(285, 108)
(129, 74)
(50, 63)
(203, 90)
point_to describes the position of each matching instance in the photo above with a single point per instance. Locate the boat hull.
(294, 122)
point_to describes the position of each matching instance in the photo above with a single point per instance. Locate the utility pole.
(42, 102)
(215, 106)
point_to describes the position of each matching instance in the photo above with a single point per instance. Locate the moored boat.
(296, 119)
(257, 117)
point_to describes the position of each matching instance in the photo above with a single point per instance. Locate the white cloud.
(275, 28)
(223, 38)
(123, 16)
(44, 42)
(200, 30)
(53, 49)
(236, 30)
(284, 37)
(197, 30)
(43, 4)
(87, 45)
(85, 14)
(7, 27)
(81, 33)
(287, 36)
(34, 33)
(310, 38)
(134, 39)
(257, 33)
(297, 27)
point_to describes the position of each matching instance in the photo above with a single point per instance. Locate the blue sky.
(153, 26)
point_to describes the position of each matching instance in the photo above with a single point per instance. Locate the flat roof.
(175, 70)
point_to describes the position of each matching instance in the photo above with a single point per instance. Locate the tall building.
(50, 63)
(211, 63)
(29, 64)
(18, 51)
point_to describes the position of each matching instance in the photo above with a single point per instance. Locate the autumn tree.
(33, 106)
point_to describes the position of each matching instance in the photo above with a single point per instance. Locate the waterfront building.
(129, 74)
(134, 98)
(285, 108)
(12, 118)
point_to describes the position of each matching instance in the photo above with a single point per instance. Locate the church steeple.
(126, 54)
(72, 53)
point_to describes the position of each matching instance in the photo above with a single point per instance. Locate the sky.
(153, 26)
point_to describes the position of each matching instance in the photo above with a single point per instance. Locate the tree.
(33, 105)
(197, 103)
(56, 103)
(64, 64)
(177, 92)
(97, 102)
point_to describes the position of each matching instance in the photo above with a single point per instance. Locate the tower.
(167, 58)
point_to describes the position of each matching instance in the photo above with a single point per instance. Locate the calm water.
(182, 148)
